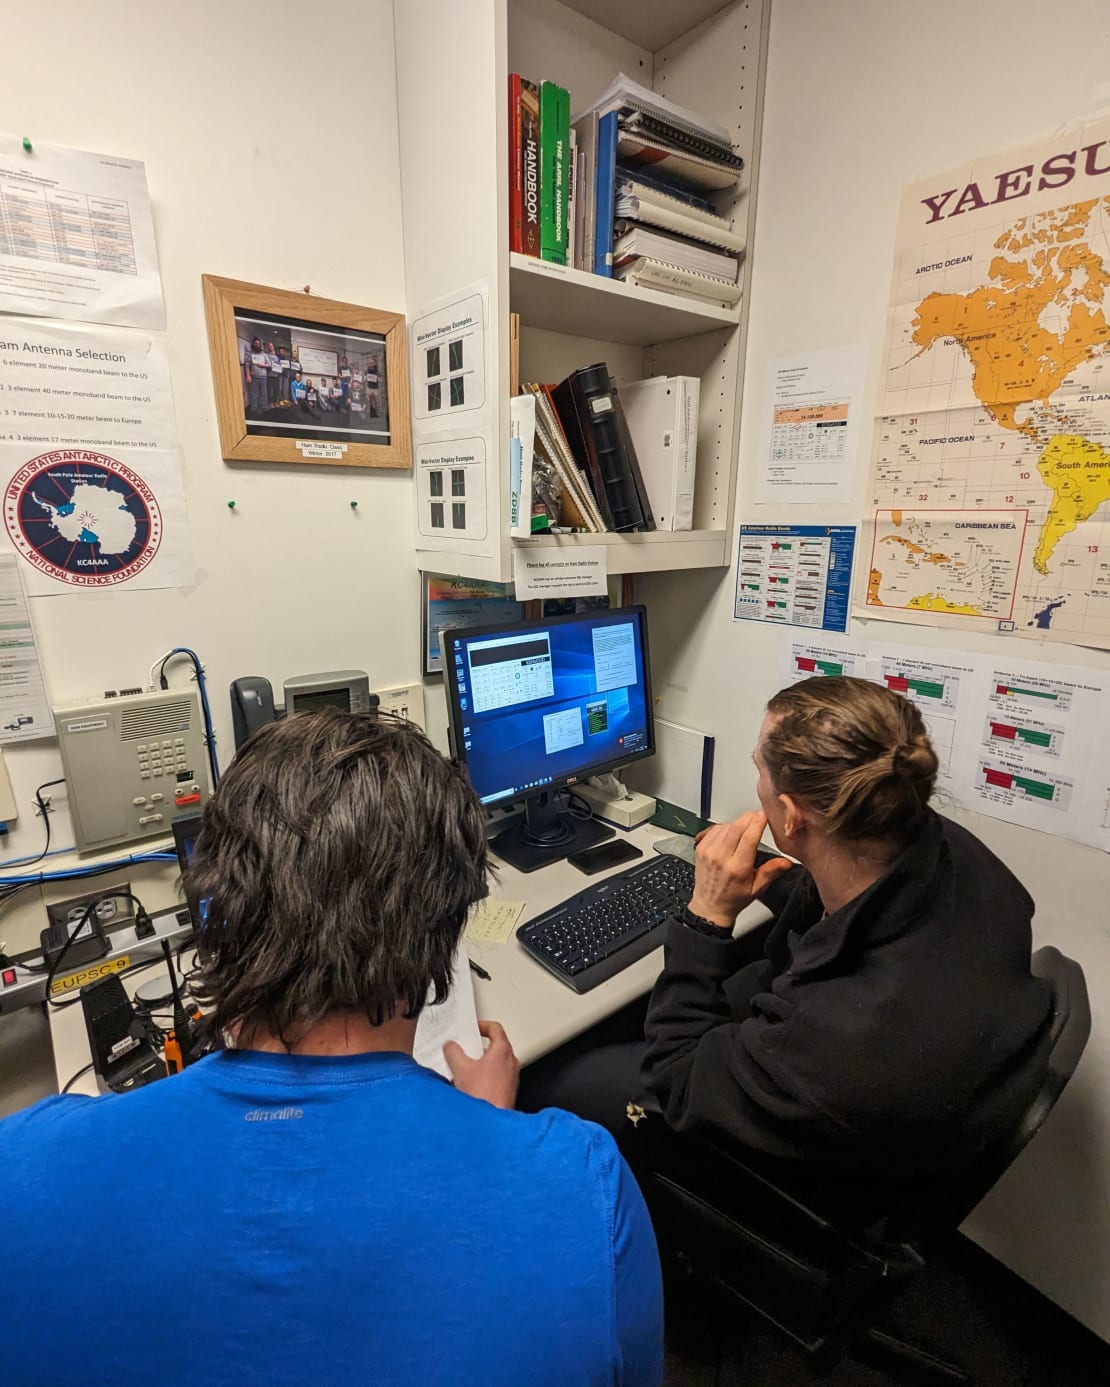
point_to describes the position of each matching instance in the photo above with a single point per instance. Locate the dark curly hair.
(338, 857)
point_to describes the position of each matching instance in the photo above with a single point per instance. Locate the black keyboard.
(603, 929)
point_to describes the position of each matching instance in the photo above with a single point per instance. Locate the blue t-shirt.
(288, 1219)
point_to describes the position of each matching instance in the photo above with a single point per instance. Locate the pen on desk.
(479, 971)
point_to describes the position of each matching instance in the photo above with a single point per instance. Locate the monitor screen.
(185, 833)
(540, 704)
(319, 699)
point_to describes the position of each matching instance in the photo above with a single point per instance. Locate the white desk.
(538, 1011)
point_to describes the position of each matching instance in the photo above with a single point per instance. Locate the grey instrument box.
(132, 764)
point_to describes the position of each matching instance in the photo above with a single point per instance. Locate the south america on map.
(990, 470)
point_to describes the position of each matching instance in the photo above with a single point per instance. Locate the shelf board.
(559, 299)
(651, 552)
(652, 24)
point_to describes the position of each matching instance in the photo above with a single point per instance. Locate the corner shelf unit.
(453, 66)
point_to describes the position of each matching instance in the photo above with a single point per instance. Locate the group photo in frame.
(300, 378)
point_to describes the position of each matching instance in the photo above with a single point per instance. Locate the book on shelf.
(606, 185)
(514, 353)
(554, 140)
(639, 201)
(686, 169)
(629, 96)
(646, 273)
(589, 407)
(585, 130)
(633, 241)
(662, 415)
(643, 123)
(522, 442)
(524, 165)
(572, 173)
(551, 443)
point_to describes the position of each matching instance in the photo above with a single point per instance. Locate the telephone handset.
(252, 706)
(252, 698)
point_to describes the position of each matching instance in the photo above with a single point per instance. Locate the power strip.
(626, 811)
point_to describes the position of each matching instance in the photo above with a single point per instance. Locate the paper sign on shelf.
(560, 572)
(77, 236)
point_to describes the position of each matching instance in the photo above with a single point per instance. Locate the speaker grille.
(155, 719)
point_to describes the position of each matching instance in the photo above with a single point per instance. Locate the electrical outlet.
(110, 912)
(407, 702)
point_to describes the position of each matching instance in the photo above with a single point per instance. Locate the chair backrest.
(1071, 1028)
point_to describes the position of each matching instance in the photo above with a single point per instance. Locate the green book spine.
(554, 152)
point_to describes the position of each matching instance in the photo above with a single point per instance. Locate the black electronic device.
(538, 706)
(606, 855)
(89, 943)
(185, 833)
(120, 1040)
(252, 706)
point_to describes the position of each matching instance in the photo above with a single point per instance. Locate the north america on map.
(990, 475)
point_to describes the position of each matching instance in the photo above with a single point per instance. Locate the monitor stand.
(546, 834)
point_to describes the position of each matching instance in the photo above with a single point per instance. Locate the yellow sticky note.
(491, 921)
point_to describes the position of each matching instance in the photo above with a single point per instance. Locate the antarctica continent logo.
(82, 517)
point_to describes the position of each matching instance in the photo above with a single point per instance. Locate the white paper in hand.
(456, 1018)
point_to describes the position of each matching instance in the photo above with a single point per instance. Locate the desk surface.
(538, 1012)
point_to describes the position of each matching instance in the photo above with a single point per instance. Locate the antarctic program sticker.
(82, 518)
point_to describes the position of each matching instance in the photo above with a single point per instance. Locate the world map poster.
(990, 470)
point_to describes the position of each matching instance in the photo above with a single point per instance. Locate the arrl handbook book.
(554, 153)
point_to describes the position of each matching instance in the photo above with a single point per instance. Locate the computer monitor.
(185, 832)
(536, 706)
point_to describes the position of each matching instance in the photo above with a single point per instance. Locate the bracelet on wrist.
(700, 925)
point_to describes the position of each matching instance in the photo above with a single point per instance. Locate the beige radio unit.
(132, 765)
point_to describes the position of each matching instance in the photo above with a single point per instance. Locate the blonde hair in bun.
(854, 752)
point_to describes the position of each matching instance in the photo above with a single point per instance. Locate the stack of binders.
(582, 433)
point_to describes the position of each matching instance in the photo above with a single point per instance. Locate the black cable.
(140, 916)
(45, 812)
(73, 1079)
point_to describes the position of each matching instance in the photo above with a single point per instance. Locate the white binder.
(662, 416)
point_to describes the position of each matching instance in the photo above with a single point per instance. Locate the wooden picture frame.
(262, 415)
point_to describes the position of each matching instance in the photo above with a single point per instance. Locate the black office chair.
(824, 1285)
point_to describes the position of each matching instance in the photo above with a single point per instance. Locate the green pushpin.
(354, 505)
(231, 505)
(27, 144)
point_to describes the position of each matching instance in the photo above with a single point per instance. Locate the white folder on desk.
(680, 772)
(662, 417)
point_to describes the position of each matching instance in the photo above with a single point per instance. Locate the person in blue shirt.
(308, 1205)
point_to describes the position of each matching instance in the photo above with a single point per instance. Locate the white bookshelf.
(561, 299)
(453, 67)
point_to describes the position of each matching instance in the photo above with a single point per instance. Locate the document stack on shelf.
(655, 167)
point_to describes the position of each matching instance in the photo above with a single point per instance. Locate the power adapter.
(625, 809)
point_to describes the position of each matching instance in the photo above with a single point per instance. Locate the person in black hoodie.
(892, 1029)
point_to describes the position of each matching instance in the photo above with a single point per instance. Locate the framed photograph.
(461, 602)
(305, 379)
